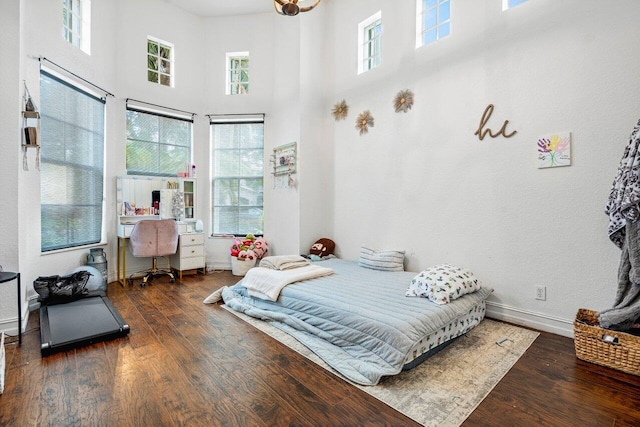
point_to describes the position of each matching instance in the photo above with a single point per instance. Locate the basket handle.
(610, 339)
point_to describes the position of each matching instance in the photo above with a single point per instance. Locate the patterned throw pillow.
(385, 260)
(443, 283)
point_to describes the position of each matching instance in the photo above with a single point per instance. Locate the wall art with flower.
(554, 150)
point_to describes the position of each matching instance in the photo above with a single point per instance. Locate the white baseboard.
(2, 362)
(218, 266)
(10, 326)
(539, 321)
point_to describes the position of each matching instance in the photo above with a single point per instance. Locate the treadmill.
(74, 324)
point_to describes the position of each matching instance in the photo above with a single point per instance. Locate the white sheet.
(283, 262)
(265, 283)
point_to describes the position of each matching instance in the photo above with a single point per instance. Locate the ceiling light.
(291, 8)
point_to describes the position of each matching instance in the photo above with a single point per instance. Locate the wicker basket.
(612, 349)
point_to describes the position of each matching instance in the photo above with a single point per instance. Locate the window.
(508, 4)
(157, 144)
(434, 20)
(370, 43)
(160, 62)
(237, 73)
(72, 167)
(76, 23)
(237, 190)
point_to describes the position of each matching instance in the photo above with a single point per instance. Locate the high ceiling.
(223, 7)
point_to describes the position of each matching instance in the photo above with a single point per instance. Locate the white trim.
(74, 82)
(85, 37)
(172, 60)
(152, 109)
(539, 321)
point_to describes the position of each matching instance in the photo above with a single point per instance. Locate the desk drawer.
(191, 239)
(191, 251)
(192, 263)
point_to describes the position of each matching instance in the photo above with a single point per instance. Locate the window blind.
(72, 164)
(157, 144)
(238, 187)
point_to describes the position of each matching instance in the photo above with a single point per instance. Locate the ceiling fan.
(291, 8)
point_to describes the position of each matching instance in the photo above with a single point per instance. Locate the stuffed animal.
(261, 247)
(322, 248)
(248, 254)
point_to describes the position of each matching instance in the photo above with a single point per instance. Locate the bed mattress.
(359, 320)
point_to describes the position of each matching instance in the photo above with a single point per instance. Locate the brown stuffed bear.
(322, 247)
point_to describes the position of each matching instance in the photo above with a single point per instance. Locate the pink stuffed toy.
(261, 247)
(247, 255)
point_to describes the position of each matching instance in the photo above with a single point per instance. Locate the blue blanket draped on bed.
(358, 320)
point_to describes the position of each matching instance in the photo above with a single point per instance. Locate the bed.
(360, 322)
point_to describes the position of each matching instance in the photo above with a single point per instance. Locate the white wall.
(422, 181)
(10, 158)
(419, 181)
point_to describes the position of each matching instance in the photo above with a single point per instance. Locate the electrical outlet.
(541, 293)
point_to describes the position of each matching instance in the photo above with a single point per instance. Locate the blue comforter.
(358, 320)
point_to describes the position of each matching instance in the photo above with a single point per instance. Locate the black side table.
(6, 276)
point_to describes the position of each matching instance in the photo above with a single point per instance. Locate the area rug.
(447, 387)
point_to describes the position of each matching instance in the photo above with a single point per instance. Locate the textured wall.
(422, 181)
(10, 155)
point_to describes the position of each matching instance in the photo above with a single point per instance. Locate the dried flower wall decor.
(364, 120)
(403, 101)
(340, 110)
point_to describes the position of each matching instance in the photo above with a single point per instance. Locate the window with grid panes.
(237, 188)
(76, 23)
(370, 38)
(160, 62)
(433, 20)
(237, 73)
(72, 164)
(72, 21)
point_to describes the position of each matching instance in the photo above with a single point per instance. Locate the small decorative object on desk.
(177, 203)
(245, 252)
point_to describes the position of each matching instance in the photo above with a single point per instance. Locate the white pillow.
(443, 283)
(385, 260)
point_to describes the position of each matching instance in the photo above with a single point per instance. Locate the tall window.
(508, 4)
(237, 73)
(237, 191)
(157, 144)
(370, 43)
(76, 23)
(72, 167)
(160, 66)
(433, 20)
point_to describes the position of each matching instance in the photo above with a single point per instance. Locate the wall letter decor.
(481, 132)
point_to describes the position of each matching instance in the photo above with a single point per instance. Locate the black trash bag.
(60, 289)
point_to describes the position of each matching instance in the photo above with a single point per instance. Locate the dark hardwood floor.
(186, 363)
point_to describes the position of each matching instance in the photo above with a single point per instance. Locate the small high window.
(370, 43)
(433, 20)
(160, 67)
(76, 23)
(508, 4)
(237, 73)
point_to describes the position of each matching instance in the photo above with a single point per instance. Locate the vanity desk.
(189, 256)
(153, 198)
